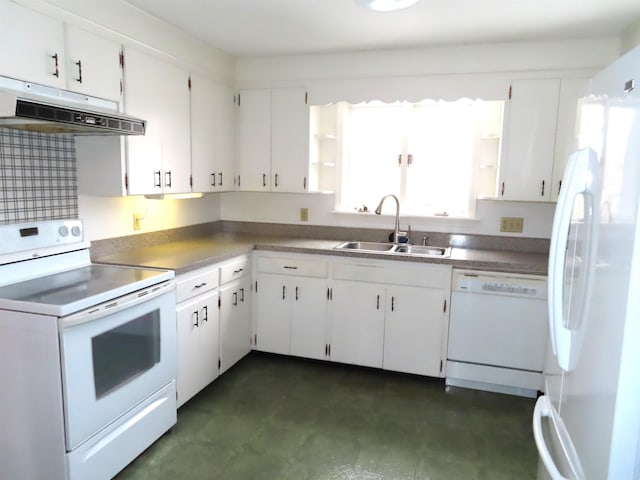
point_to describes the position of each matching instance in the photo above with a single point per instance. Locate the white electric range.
(87, 356)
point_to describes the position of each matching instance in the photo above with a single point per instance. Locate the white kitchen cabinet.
(273, 140)
(235, 311)
(92, 64)
(291, 305)
(529, 139)
(197, 333)
(32, 46)
(413, 330)
(571, 92)
(390, 315)
(212, 135)
(157, 91)
(357, 323)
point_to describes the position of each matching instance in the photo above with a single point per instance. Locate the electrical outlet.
(511, 224)
(304, 214)
(137, 218)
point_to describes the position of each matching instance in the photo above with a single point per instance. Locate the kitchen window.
(437, 157)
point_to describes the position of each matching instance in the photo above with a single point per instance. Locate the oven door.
(114, 356)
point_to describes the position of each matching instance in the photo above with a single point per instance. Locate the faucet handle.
(425, 239)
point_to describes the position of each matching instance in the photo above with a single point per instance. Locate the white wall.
(107, 217)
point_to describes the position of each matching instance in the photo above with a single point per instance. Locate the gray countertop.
(187, 255)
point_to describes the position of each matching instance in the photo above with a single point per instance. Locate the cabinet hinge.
(220, 363)
(121, 59)
(126, 181)
(219, 303)
(121, 89)
(306, 98)
(445, 305)
(191, 181)
(510, 91)
(255, 339)
(440, 366)
(304, 183)
(256, 286)
(238, 99)
(189, 83)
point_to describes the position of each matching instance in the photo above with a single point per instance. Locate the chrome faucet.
(396, 231)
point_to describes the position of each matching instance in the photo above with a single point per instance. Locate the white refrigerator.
(587, 424)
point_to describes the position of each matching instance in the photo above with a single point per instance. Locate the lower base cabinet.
(198, 343)
(235, 322)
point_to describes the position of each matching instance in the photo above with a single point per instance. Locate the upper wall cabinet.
(273, 140)
(539, 134)
(32, 46)
(157, 91)
(92, 64)
(212, 135)
(43, 50)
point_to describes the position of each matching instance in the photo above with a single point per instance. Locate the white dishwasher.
(497, 332)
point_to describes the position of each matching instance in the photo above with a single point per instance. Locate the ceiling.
(250, 28)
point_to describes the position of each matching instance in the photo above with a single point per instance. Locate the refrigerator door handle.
(542, 410)
(580, 178)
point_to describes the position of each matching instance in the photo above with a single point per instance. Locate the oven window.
(125, 352)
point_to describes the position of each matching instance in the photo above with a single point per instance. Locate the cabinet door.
(197, 332)
(527, 162)
(273, 313)
(92, 64)
(254, 139)
(32, 46)
(571, 92)
(225, 135)
(235, 322)
(357, 323)
(159, 161)
(309, 317)
(289, 140)
(413, 330)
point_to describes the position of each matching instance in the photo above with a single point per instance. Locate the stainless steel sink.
(379, 247)
(425, 251)
(366, 246)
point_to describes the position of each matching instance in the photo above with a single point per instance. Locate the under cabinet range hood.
(39, 108)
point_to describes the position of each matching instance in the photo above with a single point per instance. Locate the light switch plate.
(304, 214)
(511, 224)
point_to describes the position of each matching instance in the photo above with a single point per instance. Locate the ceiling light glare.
(387, 5)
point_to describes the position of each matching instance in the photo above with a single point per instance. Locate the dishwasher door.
(498, 326)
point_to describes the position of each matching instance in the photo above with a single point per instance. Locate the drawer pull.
(290, 267)
(200, 285)
(238, 270)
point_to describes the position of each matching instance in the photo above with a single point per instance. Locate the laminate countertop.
(187, 255)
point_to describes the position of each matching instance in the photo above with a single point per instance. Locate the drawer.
(192, 284)
(235, 268)
(293, 266)
(429, 276)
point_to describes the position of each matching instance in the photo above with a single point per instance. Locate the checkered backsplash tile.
(37, 177)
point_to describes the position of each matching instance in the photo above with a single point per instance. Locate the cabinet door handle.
(56, 73)
(377, 302)
(195, 315)
(157, 178)
(276, 180)
(167, 175)
(238, 181)
(235, 299)
(502, 189)
(283, 291)
(213, 179)
(542, 191)
(220, 182)
(79, 64)
(205, 313)
(242, 294)
(264, 180)
(393, 303)
(296, 293)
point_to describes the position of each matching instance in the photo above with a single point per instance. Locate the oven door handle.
(116, 305)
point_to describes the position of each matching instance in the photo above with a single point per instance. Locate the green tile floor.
(272, 417)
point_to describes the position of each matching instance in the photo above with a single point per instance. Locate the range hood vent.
(38, 108)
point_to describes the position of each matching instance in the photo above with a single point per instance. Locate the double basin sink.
(395, 249)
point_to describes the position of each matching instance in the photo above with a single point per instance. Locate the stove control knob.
(75, 231)
(63, 231)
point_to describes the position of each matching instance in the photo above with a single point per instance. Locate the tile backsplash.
(37, 177)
